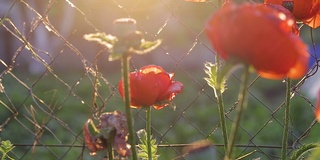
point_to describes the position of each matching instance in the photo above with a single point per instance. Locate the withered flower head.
(112, 126)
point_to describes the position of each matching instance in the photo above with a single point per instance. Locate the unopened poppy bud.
(124, 27)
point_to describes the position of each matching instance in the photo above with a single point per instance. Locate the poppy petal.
(305, 9)
(144, 90)
(279, 2)
(90, 140)
(289, 16)
(261, 36)
(314, 22)
(317, 111)
(172, 90)
(163, 81)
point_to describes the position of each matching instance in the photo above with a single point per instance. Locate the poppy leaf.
(143, 146)
(315, 153)
(6, 146)
(114, 56)
(147, 46)
(92, 128)
(101, 38)
(303, 150)
(213, 79)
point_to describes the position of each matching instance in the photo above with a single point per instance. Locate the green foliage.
(315, 154)
(143, 147)
(297, 155)
(5, 148)
(182, 132)
(213, 80)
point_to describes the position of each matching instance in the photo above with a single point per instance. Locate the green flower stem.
(148, 128)
(221, 109)
(222, 119)
(220, 105)
(110, 151)
(126, 82)
(110, 143)
(286, 120)
(242, 102)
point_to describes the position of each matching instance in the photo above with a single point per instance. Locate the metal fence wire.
(48, 74)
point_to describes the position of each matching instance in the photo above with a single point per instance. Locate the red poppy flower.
(151, 85)
(261, 36)
(307, 11)
(317, 111)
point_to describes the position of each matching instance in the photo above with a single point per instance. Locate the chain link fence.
(49, 73)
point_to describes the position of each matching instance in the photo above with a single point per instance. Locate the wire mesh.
(52, 80)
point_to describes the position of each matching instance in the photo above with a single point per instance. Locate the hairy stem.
(221, 107)
(126, 82)
(242, 101)
(110, 143)
(148, 128)
(286, 120)
(110, 151)
(222, 119)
